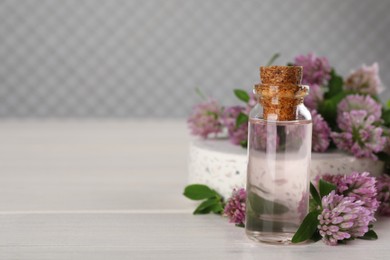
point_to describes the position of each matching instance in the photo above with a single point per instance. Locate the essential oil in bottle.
(279, 154)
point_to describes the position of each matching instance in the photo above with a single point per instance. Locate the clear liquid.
(279, 156)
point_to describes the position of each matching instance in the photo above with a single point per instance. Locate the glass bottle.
(279, 154)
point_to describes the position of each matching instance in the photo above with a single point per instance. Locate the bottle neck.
(279, 108)
(280, 102)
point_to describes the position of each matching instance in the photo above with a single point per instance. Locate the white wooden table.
(112, 190)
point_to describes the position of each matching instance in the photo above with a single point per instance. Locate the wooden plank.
(93, 165)
(112, 190)
(160, 236)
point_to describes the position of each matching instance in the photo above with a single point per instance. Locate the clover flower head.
(360, 186)
(358, 134)
(315, 97)
(235, 207)
(365, 80)
(316, 70)
(383, 196)
(237, 135)
(360, 102)
(204, 119)
(342, 218)
(321, 133)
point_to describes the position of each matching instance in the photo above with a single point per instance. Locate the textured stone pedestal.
(222, 166)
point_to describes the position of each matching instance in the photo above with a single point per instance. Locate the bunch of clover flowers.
(344, 209)
(346, 112)
(209, 118)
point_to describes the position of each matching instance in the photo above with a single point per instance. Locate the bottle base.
(275, 238)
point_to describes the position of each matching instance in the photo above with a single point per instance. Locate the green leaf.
(273, 58)
(242, 95)
(388, 103)
(217, 208)
(386, 117)
(335, 93)
(313, 205)
(206, 206)
(316, 236)
(199, 192)
(385, 157)
(242, 225)
(370, 235)
(326, 187)
(375, 97)
(244, 144)
(241, 119)
(335, 85)
(343, 242)
(307, 229)
(260, 205)
(328, 108)
(315, 195)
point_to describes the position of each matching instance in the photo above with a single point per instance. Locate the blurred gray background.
(143, 58)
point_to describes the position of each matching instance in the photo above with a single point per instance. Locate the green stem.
(273, 58)
(200, 93)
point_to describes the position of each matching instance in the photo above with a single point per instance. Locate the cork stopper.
(281, 74)
(280, 92)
